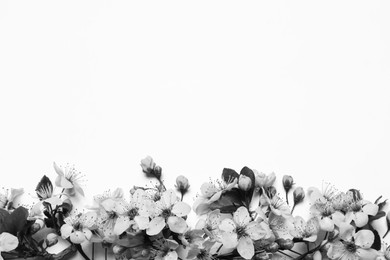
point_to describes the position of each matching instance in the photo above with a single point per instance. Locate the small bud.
(35, 228)
(133, 190)
(51, 239)
(288, 182)
(117, 249)
(157, 172)
(272, 248)
(261, 256)
(317, 255)
(148, 165)
(182, 184)
(285, 244)
(299, 195)
(263, 180)
(244, 183)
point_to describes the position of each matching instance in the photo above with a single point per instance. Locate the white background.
(298, 88)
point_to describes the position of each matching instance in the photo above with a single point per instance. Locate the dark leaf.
(379, 215)
(377, 242)
(44, 188)
(14, 222)
(249, 173)
(229, 201)
(356, 194)
(382, 205)
(229, 175)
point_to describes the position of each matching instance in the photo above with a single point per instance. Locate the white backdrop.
(298, 88)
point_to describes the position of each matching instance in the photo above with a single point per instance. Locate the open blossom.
(358, 211)
(306, 231)
(211, 192)
(134, 214)
(68, 178)
(78, 227)
(353, 245)
(240, 232)
(210, 225)
(264, 180)
(169, 210)
(8, 242)
(7, 199)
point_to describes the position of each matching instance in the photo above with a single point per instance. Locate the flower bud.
(182, 184)
(288, 182)
(133, 190)
(272, 248)
(244, 182)
(317, 255)
(263, 180)
(51, 239)
(271, 191)
(148, 165)
(285, 244)
(35, 228)
(299, 195)
(157, 172)
(261, 256)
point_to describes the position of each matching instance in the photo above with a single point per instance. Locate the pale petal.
(227, 225)
(54, 201)
(367, 254)
(326, 224)
(361, 219)
(120, 207)
(364, 238)
(8, 242)
(181, 209)
(371, 209)
(346, 231)
(108, 204)
(78, 189)
(58, 170)
(200, 224)
(155, 226)
(245, 247)
(62, 182)
(142, 222)
(169, 197)
(77, 237)
(89, 219)
(121, 225)
(241, 216)
(312, 238)
(208, 189)
(255, 231)
(177, 224)
(338, 217)
(229, 239)
(172, 255)
(336, 250)
(66, 230)
(314, 194)
(87, 233)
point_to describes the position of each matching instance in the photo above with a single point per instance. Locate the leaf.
(229, 175)
(44, 188)
(249, 173)
(14, 222)
(377, 241)
(228, 202)
(379, 215)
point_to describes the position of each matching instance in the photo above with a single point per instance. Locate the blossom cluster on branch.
(240, 216)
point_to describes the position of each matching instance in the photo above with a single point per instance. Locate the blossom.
(8, 242)
(69, 179)
(201, 252)
(353, 245)
(240, 232)
(148, 165)
(78, 227)
(359, 211)
(169, 210)
(134, 214)
(7, 199)
(210, 225)
(264, 180)
(167, 250)
(306, 231)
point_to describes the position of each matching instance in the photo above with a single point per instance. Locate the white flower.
(78, 227)
(306, 231)
(240, 232)
(8, 243)
(353, 245)
(263, 180)
(69, 178)
(169, 210)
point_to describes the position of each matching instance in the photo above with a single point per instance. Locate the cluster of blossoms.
(240, 216)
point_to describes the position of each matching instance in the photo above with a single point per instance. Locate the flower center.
(112, 215)
(77, 226)
(166, 213)
(350, 246)
(132, 213)
(240, 231)
(356, 207)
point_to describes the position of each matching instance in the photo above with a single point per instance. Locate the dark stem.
(292, 210)
(105, 253)
(81, 251)
(387, 232)
(285, 254)
(287, 198)
(295, 252)
(93, 251)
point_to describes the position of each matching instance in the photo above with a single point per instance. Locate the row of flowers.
(240, 216)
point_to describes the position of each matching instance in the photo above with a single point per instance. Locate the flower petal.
(346, 231)
(181, 209)
(121, 225)
(87, 233)
(142, 222)
(245, 247)
(241, 216)
(367, 254)
(255, 230)
(370, 209)
(361, 219)
(77, 237)
(155, 226)
(169, 197)
(326, 224)
(108, 204)
(227, 225)
(172, 255)
(364, 238)
(336, 250)
(229, 239)
(8, 242)
(177, 224)
(66, 230)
